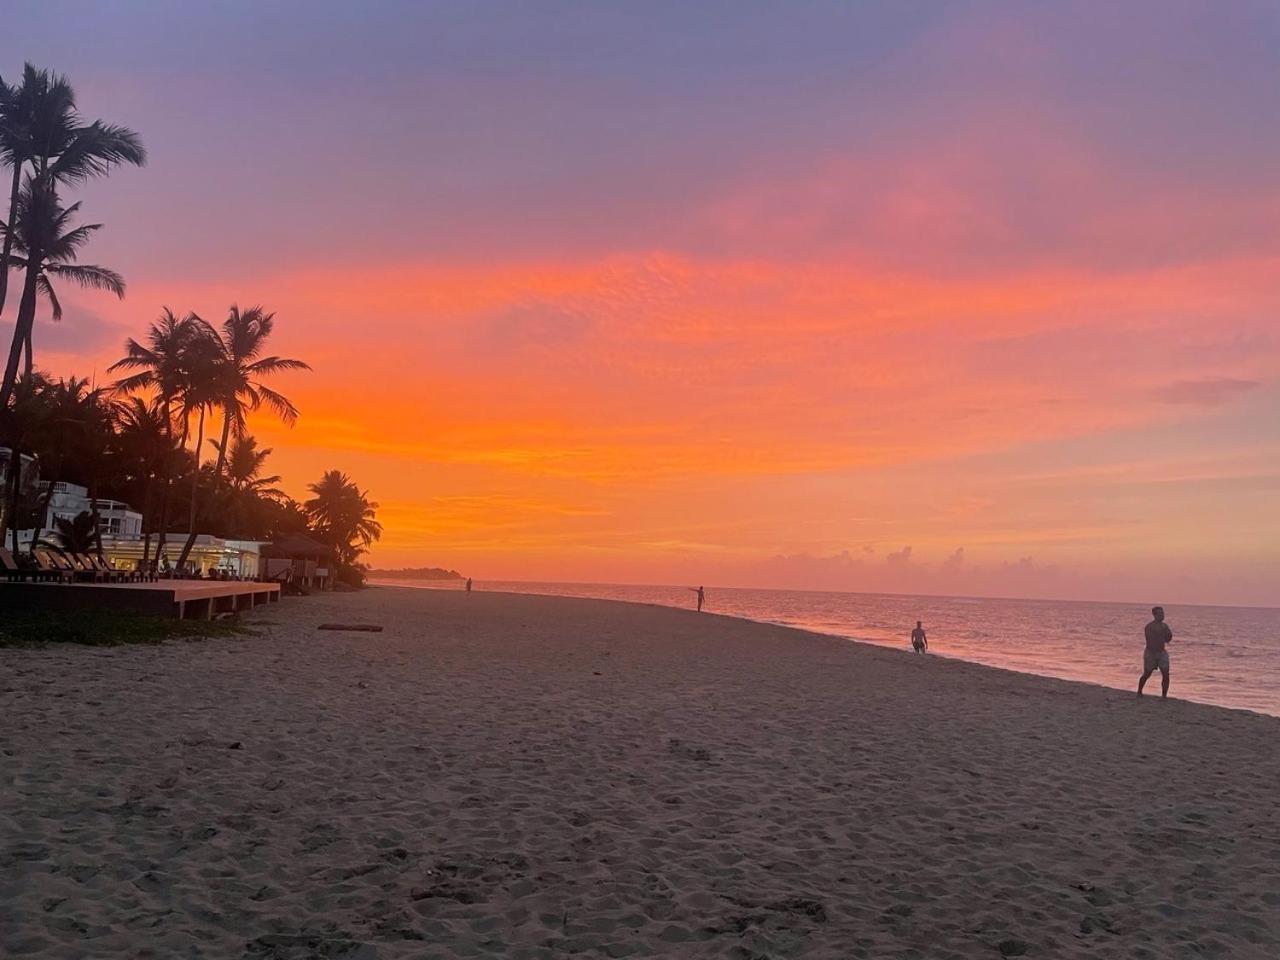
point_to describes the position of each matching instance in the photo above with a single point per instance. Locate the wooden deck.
(192, 599)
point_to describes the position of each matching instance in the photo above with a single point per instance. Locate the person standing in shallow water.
(919, 642)
(701, 596)
(468, 584)
(1155, 656)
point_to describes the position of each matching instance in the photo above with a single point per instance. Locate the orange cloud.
(565, 418)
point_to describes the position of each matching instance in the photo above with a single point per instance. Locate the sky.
(964, 298)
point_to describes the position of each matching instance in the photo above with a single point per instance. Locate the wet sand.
(520, 776)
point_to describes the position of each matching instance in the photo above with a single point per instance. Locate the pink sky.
(975, 300)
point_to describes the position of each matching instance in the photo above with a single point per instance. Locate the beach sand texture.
(520, 776)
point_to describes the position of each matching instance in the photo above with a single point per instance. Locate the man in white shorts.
(1155, 656)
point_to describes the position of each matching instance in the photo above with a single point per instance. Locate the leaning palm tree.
(342, 516)
(42, 225)
(41, 230)
(238, 388)
(41, 130)
(162, 366)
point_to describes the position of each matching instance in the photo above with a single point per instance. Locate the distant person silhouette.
(1155, 656)
(919, 642)
(468, 584)
(702, 595)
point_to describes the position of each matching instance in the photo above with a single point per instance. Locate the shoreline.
(862, 641)
(514, 775)
(853, 593)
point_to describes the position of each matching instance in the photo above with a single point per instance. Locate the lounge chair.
(84, 570)
(109, 573)
(52, 570)
(10, 569)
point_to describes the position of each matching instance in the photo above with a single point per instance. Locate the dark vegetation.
(170, 437)
(105, 628)
(417, 573)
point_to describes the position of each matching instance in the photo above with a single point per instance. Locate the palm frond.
(64, 247)
(139, 381)
(279, 403)
(45, 287)
(136, 355)
(94, 149)
(90, 276)
(269, 365)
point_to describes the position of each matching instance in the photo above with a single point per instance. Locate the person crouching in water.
(919, 642)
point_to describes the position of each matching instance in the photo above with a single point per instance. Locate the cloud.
(82, 331)
(1205, 392)
(529, 324)
(808, 290)
(899, 558)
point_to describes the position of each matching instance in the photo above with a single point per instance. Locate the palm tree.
(202, 389)
(342, 516)
(246, 498)
(77, 535)
(27, 421)
(56, 442)
(47, 247)
(40, 128)
(162, 364)
(239, 367)
(78, 429)
(240, 345)
(95, 429)
(144, 444)
(244, 467)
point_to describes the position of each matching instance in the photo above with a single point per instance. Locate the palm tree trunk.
(7, 516)
(8, 236)
(195, 495)
(15, 487)
(42, 512)
(26, 316)
(93, 511)
(166, 499)
(148, 501)
(222, 448)
(28, 363)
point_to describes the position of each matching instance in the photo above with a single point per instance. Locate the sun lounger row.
(60, 566)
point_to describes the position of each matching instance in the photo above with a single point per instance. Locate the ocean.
(1229, 656)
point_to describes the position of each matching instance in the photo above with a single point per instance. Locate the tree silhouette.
(342, 515)
(42, 133)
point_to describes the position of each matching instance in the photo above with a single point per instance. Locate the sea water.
(1228, 656)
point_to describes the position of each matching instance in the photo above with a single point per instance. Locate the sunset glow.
(880, 297)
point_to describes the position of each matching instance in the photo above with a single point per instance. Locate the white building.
(120, 530)
(116, 520)
(209, 554)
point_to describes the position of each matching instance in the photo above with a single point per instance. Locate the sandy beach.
(521, 776)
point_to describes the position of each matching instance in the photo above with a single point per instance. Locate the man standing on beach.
(468, 584)
(919, 642)
(701, 596)
(1155, 655)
